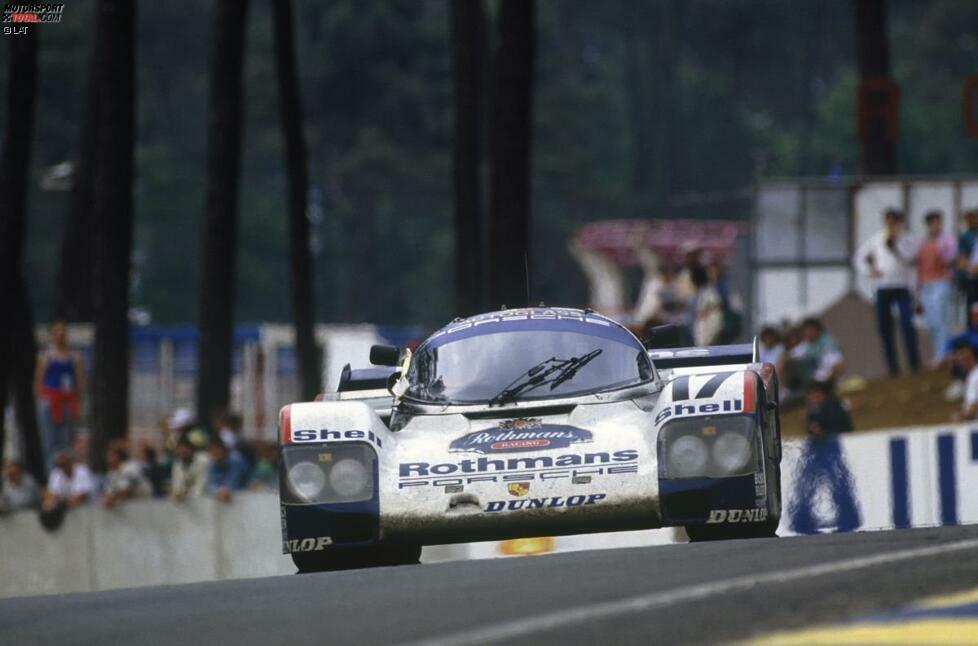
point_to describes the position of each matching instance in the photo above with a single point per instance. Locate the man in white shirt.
(20, 491)
(888, 259)
(124, 480)
(965, 358)
(70, 483)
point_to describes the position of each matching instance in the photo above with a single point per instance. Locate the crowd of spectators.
(693, 295)
(921, 276)
(180, 461)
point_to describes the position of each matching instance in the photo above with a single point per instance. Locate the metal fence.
(163, 367)
(805, 231)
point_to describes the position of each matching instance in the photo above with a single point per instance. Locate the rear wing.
(712, 355)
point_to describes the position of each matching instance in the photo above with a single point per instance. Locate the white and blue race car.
(529, 422)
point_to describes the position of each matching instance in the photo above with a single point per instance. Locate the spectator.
(771, 348)
(59, 381)
(20, 491)
(886, 259)
(71, 483)
(825, 414)
(692, 262)
(816, 357)
(822, 462)
(182, 423)
(706, 312)
(189, 474)
(731, 306)
(934, 263)
(124, 479)
(155, 469)
(660, 302)
(228, 471)
(266, 468)
(968, 336)
(966, 248)
(966, 360)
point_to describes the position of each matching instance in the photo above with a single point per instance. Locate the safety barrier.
(909, 477)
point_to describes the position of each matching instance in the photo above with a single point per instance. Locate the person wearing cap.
(887, 259)
(183, 424)
(968, 336)
(935, 261)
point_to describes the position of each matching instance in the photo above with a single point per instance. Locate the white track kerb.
(657, 600)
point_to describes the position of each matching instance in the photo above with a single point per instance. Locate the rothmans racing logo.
(515, 435)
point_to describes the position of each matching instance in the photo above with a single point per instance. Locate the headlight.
(349, 478)
(731, 452)
(307, 479)
(687, 456)
(708, 447)
(338, 473)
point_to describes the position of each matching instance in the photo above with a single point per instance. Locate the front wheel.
(354, 558)
(702, 533)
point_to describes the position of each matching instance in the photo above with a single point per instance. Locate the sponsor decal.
(737, 515)
(544, 474)
(544, 503)
(316, 544)
(325, 435)
(551, 314)
(676, 410)
(489, 465)
(514, 435)
(518, 488)
(578, 468)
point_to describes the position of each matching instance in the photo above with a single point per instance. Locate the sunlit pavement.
(939, 620)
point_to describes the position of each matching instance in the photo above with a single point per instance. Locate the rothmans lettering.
(487, 465)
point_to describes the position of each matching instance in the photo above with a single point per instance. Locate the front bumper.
(696, 501)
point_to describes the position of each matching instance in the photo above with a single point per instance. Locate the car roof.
(555, 319)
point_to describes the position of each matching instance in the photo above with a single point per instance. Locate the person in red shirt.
(935, 262)
(58, 385)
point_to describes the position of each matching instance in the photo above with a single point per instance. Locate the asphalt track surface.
(687, 593)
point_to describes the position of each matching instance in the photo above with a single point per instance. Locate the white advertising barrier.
(910, 477)
(904, 477)
(907, 477)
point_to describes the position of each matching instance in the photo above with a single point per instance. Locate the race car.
(529, 422)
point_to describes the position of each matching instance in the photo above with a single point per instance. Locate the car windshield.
(525, 364)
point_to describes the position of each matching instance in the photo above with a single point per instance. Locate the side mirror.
(663, 336)
(385, 355)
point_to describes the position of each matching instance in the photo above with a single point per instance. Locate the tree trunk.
(113, 223)
(638, 95)
(672, 39)
(17, 346)
(75, 289)
(878, 96)
(509, 201)
(468, 33)
(219, 262)
(290, 109)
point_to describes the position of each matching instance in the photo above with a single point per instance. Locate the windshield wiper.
(573, 365)
(562, 370)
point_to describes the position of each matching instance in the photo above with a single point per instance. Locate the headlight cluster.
(707, 447)
(318, 474)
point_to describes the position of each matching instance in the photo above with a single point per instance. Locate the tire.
(703, 533)
(354, 558)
